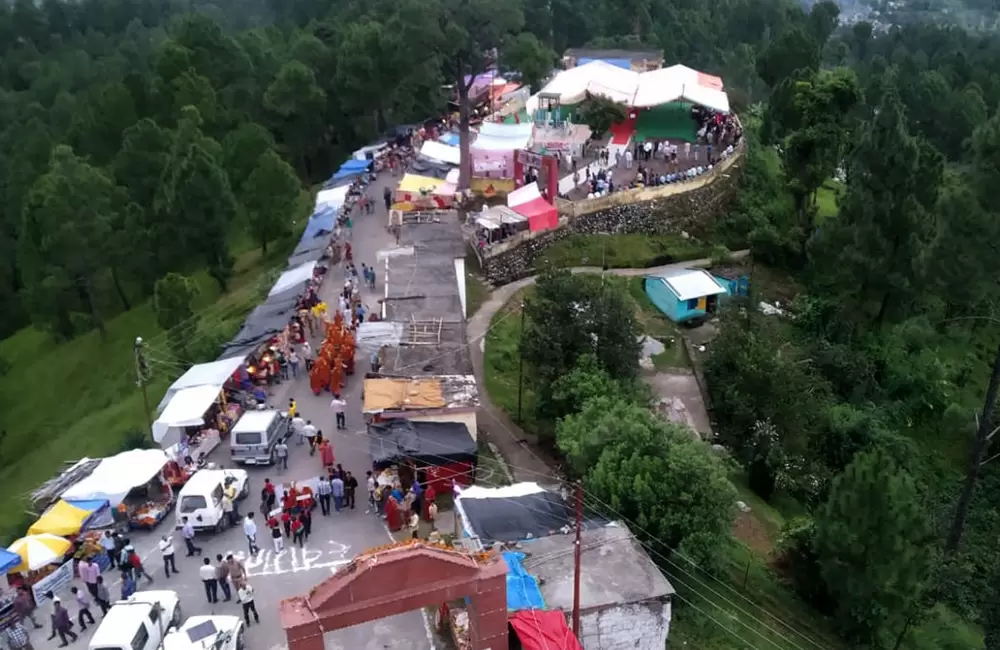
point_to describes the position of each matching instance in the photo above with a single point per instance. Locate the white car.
(207, 633)
(139, 623)
(200, 500)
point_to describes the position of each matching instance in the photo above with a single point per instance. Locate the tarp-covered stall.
(440, 151)
(528, 202)
(444, 451)
(511, 513)
(8, 560)
(333, 197)
(68, 518)
(350, 170)
(429, 167)
(115, 477)
(544, 630)
(424, 193)
(186, 409)
(264, 321)
(295, 278)
(216, 374)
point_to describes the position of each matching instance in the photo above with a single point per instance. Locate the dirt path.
(519, 448)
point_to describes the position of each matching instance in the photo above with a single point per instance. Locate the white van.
(213, 632)
(253, 437)
(200, 500)
(139, 623)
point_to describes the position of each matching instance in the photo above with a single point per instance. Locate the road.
(335, 539)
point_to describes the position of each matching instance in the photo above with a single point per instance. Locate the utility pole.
(578, 552)
(520, 368)
(141, 379)
(984, 432)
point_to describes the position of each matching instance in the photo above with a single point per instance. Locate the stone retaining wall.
(651, 211)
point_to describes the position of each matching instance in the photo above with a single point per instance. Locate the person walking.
(24, 607)
(237, 572)
(83, 616)
(324, 489)
(167, 551)
(250, 530)
(338, 406)
(208, 579)
(298, 429)
(370, 486)
(128, 584)
(298, 531)
(103, 597)
(187, 532)
(245, 596)
(229, 504)
(16, 637)
(277, 539)
(222, 575)
(350, 488)
(62, 624)
(110, 547)
(293, 363)
(89, 572)
(136, 563)
(281, 451)
(337, 489)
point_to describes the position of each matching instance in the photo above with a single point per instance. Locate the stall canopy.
(450, 138)
(512, 513)
(498, 215)
(65, 518)
(8, 560)
(522, 587)
(263, 322)
(115, 477)
(416, 184)
(425, 443)
(543, 630)
(310, 250)
(503, 137)
(332, 198)
(186, 409)
(351, 169)
(440, 151)
(322, 222)
(213, 374)
(297, 277)
(429, 167)
(528, 202)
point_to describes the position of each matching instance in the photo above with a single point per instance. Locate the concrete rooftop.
(615, 569)
(422, 285)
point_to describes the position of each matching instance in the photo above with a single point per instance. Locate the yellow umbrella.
(38, 550)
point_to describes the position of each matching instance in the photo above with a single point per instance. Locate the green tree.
(791, 51)
(872, 259)
(67, 223)
(588, 380)
(296, 101)
(874, 548)
(600, 112)
(530, 57)
(271, 197)
(655, 474)
(172, 298)
(242, 148)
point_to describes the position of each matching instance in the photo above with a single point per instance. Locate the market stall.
(132, 483)
(43, 566)
(68, 519)
(437, 453)
(216, 373)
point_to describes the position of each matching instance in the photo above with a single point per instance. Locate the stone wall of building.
(675, 212)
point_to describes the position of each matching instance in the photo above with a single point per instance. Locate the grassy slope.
(62, 401)
(622, 251)
(748, 605)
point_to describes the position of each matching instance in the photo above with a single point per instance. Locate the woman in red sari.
(393, 515)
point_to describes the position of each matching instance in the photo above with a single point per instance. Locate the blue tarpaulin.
(8, 560)
(322, 221)
(351, 168)
(625, 64)
(522, 587)
(449, 138)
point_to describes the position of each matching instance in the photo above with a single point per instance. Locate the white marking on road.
(269, 563)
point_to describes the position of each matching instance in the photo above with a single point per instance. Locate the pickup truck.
(139, 623)
(207, 633)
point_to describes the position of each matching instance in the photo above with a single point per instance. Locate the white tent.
(332, 198)
(441, 151)
(115, 477)
(204, 374)
(291, 277)
(503, 137)
(186, 409)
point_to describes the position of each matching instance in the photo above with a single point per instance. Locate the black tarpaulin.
(425, 443)
(308, 251)
(422, 166)
(264, 321)
(510, 519)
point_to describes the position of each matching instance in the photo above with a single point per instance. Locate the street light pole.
(141, 379)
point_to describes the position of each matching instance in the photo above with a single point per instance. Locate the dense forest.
(140, 138)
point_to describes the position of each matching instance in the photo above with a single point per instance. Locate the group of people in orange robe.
(335, 358)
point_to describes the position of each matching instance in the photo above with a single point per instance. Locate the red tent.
(541, 214)
(543, 630)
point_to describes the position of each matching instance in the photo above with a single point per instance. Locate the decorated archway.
(420, 575)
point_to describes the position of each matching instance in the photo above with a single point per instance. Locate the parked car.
(200, 500)
(207, 633)
(253, 437)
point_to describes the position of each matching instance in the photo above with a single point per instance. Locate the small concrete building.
(624, 599)
(637, 60)
(685, 294)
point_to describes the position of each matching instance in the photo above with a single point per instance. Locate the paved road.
(335, 539)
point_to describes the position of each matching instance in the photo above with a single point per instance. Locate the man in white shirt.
(338, 406)
(298, 424)
(167, 551)
(209, 579)
(250, 530)
(309, 432)
(187, 532)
